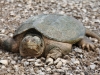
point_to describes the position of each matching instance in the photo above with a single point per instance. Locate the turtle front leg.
(55, 53)
(86, 43)
(52, 55)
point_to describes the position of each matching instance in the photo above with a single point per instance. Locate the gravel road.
(78, 62)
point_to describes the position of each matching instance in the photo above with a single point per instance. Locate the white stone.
(59, 64)
(48, 69)
(84, 10)
(75, 61)
(13, 62)
(49, 61)
(5, 62)
(38, 64)
(92, 66)
(3, 67)
(30, 60)
(64, 61)
(2, 31)
(78, 50)
(26, 63)
(57, 60)
(12, 13)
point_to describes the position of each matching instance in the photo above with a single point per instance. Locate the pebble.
(13, 13)
(16, 67)
(5, 62)
(48, 69)
(26, 63)
(13, 62)
(2, 31)
(75, 61)
(78, 50)
(49, 61)
(56, 73)
(3, 67)
(59, 64)
(92, 66)
(31, 60)
(57, 60)
(0, 51)
(38, 64)
(64, 61)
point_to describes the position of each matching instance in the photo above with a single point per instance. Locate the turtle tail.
(92, 34)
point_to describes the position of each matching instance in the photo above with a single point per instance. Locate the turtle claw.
(54, 53)
(87, 44)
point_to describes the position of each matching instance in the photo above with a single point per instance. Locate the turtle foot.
(87, 44)
(54, 53)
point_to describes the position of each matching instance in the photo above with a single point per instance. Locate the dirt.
(78, 62)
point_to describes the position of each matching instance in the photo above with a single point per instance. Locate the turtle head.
(32, 45)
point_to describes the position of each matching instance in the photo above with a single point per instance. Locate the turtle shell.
(54, 26)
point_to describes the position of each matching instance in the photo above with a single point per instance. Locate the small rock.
(49, 61)
(13, 62)
(56, 73)
(78, 50)
(57, 60)
(0, 51)
(16, 67)
(38, 64)
(42, 59)
(75, 61)
(38, 60)
(92, 66)
(2, 31)
(64, 61)
(5, 62)
(10, 35)
(82, 73)
(84, 10)
(12, 13)
(26, 63)
(87, 26)
(3, 67)
(31, 60)
(60, 70)
(19, 5)
(59, 64)
(48, 69)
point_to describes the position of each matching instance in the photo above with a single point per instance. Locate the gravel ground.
(78, 62)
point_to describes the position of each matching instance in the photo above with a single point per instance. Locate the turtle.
(49, 35)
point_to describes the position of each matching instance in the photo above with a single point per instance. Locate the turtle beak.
(34, 43)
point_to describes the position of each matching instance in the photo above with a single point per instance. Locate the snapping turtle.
(51, 35)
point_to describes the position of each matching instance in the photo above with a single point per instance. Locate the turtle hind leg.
(92, 34)
(86, 43)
